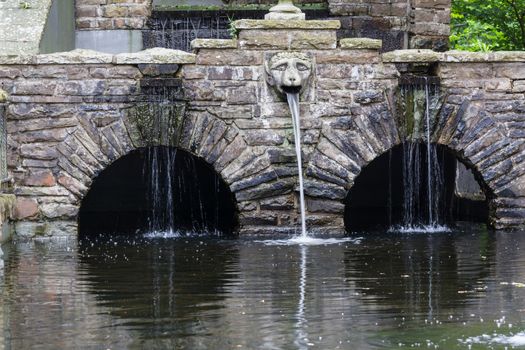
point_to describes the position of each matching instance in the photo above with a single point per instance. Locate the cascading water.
(423, 176)
(293, 103)
(159, 171)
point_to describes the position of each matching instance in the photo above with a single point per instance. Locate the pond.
(454, 290)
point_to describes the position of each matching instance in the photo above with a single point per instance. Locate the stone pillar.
(430, 24)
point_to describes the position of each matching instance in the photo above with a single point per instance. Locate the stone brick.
(59, 210)
(264, 137)
(287, 39)
(432, 3)
(518, 86)
(42, 87)
(25, 208)
(324, 206)
(510, 70)
(40, 178)
(230, 57)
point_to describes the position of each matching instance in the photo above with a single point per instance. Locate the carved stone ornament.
(285, 10)
(289, 72)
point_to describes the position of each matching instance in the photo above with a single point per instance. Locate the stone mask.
(289, 72)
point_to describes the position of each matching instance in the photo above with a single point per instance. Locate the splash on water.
(419, 229)
(513, 340)
(307, 240)
(169, 234)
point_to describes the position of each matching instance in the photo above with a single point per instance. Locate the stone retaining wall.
(68, 119)
(399, 23)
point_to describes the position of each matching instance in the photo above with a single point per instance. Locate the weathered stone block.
(432, 3)
(155, 56)
(360, 44)
(214, 44)
(326, 190)
(229, 57)
(272, 189)
(324, 206)
(287, 39)
(25, 208)
(278, 203)
(518, 86)
(40, 178)
(250, 24)
(264, 137)
(59, 210)
(29, 87)
(41, 151)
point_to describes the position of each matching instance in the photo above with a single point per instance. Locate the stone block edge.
(81, 56)
(429, 56)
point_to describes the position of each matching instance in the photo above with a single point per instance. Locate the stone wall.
(68, 119)
(398, 23)
(112, 14)
(483, 121)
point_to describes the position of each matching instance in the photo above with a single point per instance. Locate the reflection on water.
(451, 290)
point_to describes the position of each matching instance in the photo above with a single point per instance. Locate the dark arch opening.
(377, 198)
(158, 189)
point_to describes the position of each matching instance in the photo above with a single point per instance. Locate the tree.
(483, 25)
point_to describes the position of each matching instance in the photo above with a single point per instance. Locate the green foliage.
(485, 25)
(233, 31)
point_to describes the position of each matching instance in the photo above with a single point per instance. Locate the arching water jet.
(289, 73)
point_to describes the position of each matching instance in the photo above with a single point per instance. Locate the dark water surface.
(456, 290)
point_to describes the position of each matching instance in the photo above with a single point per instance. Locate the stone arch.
(468, 129)
(247, 170)
(346, 146)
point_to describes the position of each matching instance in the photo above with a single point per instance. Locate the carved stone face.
(289, 72)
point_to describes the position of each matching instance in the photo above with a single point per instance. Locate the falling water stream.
(423, 182)
(429, 156)
(159, 170)
(304, 238)
(293, 103)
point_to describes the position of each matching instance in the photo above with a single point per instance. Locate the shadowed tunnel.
(377, 199)
(158, 189)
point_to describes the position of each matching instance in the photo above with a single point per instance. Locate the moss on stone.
(3, 96)
(7, 206)
(155, 123)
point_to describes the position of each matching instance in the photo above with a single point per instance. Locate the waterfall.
(159, 170)
(158, 122)
(293, 103)
(429, 155)
(423, 176)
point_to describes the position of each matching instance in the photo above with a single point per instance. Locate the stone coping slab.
(214, 44)
(429, 56)
(248, 24)
(496, 56)
(82, 56)
(360, 44)
(412, 56)
(157, 55)
(74, 57)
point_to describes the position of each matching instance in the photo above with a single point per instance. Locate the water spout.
(293, 103)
